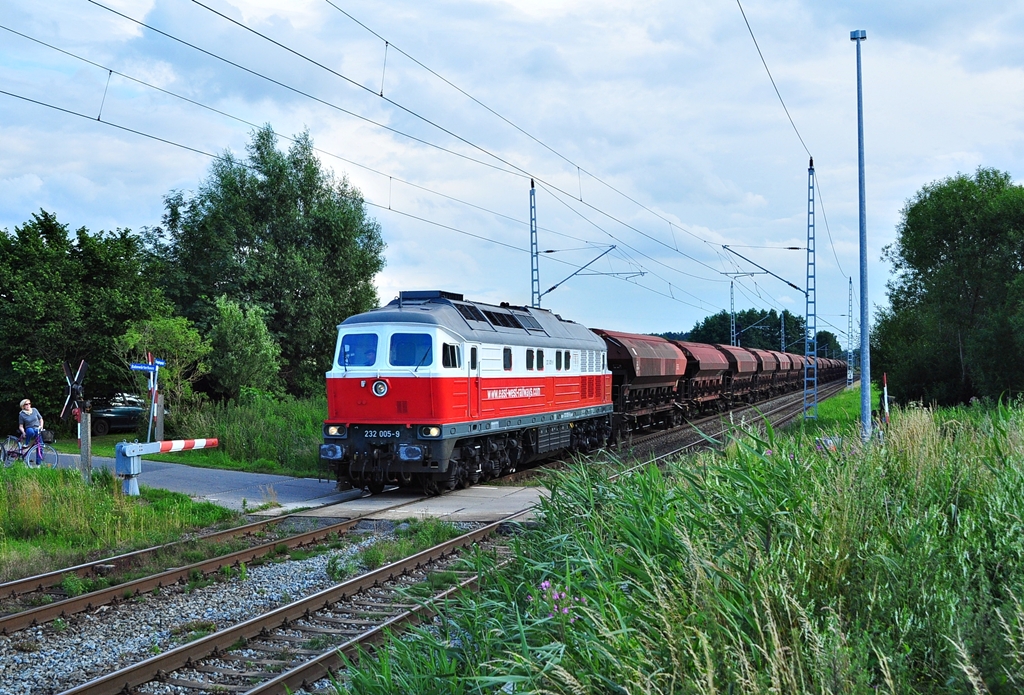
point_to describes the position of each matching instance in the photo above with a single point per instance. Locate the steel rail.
(690, 445)
(328, 663)
(41, 582)
(159, 666)
(70, 606)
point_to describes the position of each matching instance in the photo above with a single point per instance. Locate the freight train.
(438, 392)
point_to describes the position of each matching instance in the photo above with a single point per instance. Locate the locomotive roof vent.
(413, 295)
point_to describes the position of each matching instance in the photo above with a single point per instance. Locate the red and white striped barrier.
(167, 446)
(186, 444)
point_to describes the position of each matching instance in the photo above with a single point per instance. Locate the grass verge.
(51, 519)
(774, 565)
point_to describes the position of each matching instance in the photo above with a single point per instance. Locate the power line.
(617, 239)
(830, 242)
(777, 92)
(579, 169)
(518, 171)
(279, 135)
(344, 159)
(307, 94)
(795, 130)
(232, 161)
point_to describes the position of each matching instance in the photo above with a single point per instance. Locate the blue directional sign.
(142, 367)
(159, 363)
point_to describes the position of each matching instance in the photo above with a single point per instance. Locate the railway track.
(695, 433)
(46, 601)
(301, 643)
(295, 645)
(33, 590)
(781, 412)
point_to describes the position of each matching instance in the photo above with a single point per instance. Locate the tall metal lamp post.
(865, 346)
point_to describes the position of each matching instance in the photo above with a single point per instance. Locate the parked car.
(122, 412)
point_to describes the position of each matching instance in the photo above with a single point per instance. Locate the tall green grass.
(261, 434)
(774, 566)
(51, 519)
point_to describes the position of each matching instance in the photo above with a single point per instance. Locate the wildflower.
(529, 597)
(545, 585)
(767, 452)
(565, 610)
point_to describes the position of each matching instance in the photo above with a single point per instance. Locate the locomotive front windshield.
(358, 350)
(411, 350)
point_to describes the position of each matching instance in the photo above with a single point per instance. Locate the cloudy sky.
(651, 125)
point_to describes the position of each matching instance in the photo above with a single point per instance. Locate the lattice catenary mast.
(811, 328)
(732, 313)
(534, 253)
(849, 340)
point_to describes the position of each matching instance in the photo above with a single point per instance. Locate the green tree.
(755, 328)
(277, 231)
(244, 353)
(67, 297)
(175, 340)
(952, 329)
(828, 345)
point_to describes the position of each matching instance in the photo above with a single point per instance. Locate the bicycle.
(11, 450)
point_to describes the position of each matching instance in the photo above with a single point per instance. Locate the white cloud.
(665, 101)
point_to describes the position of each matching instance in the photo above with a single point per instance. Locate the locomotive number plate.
(382, 433)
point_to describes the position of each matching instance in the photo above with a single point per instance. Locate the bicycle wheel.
(51, 459)
(9, 451)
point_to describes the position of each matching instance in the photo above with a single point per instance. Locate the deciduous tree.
(244, 354)
(952, 329)
(279, 231)
(67, 297)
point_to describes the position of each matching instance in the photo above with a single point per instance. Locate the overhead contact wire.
(522, 172)
(537, 140)
(306, 94)
(358, 198)
(777, 92)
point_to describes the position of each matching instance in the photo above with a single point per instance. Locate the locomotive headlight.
(430, 431)
(335, 430)
(380, 388)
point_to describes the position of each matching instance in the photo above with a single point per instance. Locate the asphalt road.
(231, 489)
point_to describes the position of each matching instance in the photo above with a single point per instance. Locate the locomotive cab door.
(473, 372)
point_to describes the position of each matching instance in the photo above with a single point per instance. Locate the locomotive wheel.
(430, 487)
(375, 487)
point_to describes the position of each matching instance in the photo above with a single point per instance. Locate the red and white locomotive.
(438, 392)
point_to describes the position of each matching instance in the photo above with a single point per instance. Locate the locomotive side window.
(529, 359)
(558, 360)
(540, 360)
(451, 356)
(506, 356)
(472, 359)
(411, 350)
(358, 350)
(567, 361)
